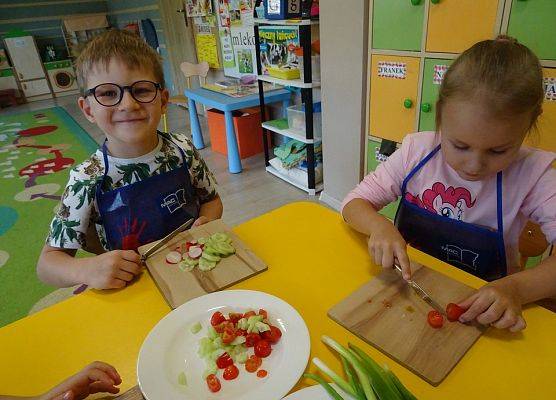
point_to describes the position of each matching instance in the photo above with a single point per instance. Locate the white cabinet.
(25, 58)
(35, 88)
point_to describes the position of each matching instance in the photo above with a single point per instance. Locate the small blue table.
(227, 104)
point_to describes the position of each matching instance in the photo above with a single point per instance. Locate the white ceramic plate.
(316, 392)
(171, 348)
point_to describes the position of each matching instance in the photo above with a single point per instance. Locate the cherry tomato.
(229, 334)
(251, 339)
(213, 383)
(217, 318)
(435, 319)
(253, 363)
(224, 361)
(273, 335)
(262, 348)
(241, 332)
(249, 314)
(263, 313)
(262, 373)
(453, 311)
(231, 372)
(234, 317)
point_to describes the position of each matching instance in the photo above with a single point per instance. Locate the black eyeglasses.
(111, 94)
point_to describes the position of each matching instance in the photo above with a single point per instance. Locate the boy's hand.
(201, 221)
(94, 378)
(496, 304)
(387, 244)
(113, 270)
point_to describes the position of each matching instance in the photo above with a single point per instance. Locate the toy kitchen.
(27, 77)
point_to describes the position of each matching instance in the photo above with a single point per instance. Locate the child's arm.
(97, 377)
(210, 210)
(111, 270)
(385, 241)
(499, 303)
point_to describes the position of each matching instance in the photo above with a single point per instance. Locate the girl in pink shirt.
(468, 190)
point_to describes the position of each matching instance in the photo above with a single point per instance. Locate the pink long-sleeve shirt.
(528, 190)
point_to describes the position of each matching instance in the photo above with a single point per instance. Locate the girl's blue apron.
(147, 210)
(472, 248)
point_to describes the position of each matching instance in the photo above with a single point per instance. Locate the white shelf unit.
(312, 192)
(288, 82)
(291, 133)
(306, 85)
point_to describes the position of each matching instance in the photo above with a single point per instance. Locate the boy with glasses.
(139, 186)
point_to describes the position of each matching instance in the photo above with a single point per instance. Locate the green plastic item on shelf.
(281, 123)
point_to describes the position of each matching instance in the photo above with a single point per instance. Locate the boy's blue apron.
(472, 248)
(147, 210)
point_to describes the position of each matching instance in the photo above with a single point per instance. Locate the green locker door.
(533, 23)
(398, 24)
(432, 77)
(373, 147)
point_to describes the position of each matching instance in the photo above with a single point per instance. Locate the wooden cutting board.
(387, 314)
(179, 286)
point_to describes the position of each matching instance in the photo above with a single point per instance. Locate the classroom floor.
(245, 196)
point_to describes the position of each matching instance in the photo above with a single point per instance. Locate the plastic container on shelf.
(296, 119)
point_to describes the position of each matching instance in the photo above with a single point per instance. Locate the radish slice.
(195, 252)
(173, 257)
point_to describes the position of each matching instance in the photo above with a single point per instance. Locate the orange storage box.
(249, 133)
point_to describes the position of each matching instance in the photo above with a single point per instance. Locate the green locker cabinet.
(533, 23)
(432, 77)
(398, 24)
(373, 147)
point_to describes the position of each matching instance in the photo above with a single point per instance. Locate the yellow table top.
(315, 260)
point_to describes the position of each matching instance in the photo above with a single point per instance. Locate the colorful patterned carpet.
(37, 150)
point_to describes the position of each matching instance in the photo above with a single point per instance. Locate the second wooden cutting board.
(387, 314)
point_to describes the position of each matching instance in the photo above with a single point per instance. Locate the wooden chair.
(189, 70)
(532, 243)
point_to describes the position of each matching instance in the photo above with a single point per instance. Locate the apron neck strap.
(499, 210)
(418, 167)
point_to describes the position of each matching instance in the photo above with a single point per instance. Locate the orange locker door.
(393, 99)
(454, 25)
(546, 137)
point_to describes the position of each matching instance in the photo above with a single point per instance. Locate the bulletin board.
(224, 35)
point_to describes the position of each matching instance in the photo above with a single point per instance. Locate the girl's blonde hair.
(505, 74)
(126, 47)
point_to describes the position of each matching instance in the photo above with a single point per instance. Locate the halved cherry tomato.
(229, 334)
(217, 318)
(224, 361)
(262, 373)
(249, 314)
(222, 326)
(253, 363)
(241, 332)
(262, 348)
(234, 317)
(453, 312)
(273, 335)
(231, 373)
(213, 383)
(251, 339)
(435, 319)
(263, 313)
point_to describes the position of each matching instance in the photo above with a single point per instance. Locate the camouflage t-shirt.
(78, 212)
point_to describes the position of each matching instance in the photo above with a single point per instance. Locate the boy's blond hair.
(126, 47)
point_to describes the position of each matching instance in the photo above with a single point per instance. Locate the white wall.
(344, 37)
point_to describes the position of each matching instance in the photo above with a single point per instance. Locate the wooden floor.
(246, 195)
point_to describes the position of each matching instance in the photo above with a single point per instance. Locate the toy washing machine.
(62, 77)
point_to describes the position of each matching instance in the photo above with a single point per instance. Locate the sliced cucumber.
(210, 257)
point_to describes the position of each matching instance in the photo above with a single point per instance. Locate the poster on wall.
(223, 14)
(278, 44)
(207, 49)
(228, 59)
(243, 44)
(198, 8)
